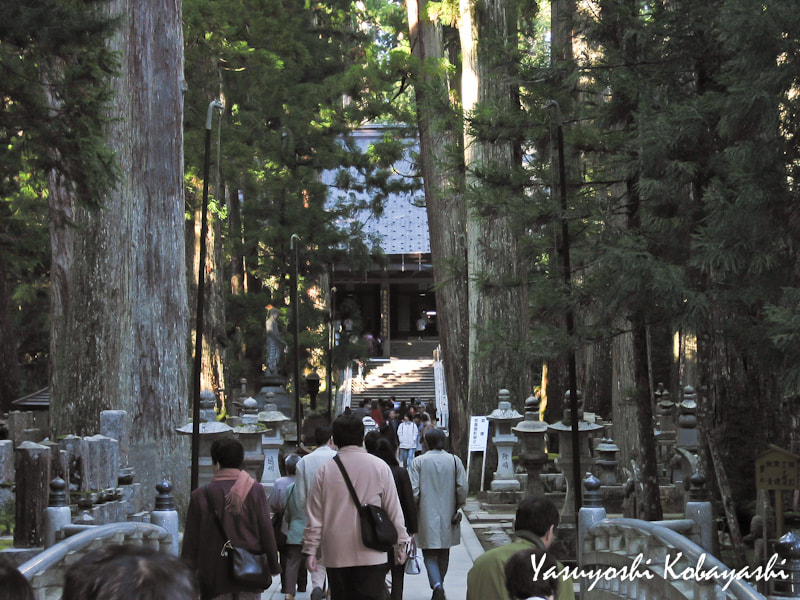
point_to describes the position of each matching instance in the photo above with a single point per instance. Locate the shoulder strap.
(215, 513)
(348, 482)
(455, 479)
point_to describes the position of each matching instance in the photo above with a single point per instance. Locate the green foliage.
(296, 77)
(56, 69)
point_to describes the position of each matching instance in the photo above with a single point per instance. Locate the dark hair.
(348, 430)
(228, 453)
(129, 573)
(385, 450)
(435, 439)
(13, 584)
(521, 581)
(536, 514)
(371, 440)
(291, 463)
(424, 417)
(322, 434)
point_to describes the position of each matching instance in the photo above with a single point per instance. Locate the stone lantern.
(207, 403)
(565, 459)
(687, 420)
(531, 432)
(312, 387)
(251, 436)
(209, 432)
(271, 442)
(607, 461)
(504, 417)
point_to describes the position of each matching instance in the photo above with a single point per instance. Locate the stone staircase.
(403, 378)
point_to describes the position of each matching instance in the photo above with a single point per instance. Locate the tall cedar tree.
(40, 47)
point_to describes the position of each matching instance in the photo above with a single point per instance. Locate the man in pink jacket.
(355, 572)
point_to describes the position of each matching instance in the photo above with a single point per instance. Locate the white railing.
(659, 563)
(442, 406)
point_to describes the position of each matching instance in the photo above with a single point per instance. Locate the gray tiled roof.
(403, 226)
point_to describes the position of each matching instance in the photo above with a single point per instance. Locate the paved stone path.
(416, 586)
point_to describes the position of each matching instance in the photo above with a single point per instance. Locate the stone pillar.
(592, 511)
(271, 442)
(251, 437)
(116, 424)
(504, 417)
(100, 462)
(57, 515)
(165, 515)
(6, 463)
(698, 508)
(32, 465)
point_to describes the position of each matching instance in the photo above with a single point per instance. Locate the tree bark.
(447, 213)
(119, 329)
(498, 294)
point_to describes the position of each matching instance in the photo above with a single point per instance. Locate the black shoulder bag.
(377, 530)
(247, 569)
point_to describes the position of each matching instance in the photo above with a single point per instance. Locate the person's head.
(322, 435)
(374, 405)
(538, 515)
(13, 584)
(392, 415)
(406, 417)
(523, 581)
(291, 463)
(435, 439)
(424, 418)
(348, 430)
(129, 573)
(371, 439)
(227, 453)
(385, 450)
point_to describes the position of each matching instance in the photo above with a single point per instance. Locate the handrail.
(440, 390)
(691, 551)
(56, 553)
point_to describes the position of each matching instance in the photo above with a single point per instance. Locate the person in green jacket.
(534, 527)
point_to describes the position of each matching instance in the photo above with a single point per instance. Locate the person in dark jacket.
(242, 506)
(385, 450)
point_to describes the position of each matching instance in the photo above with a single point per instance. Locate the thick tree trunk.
(498, 295)
(447, 213)
(119, 330)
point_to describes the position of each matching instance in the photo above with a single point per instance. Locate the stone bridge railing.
(46, 570)
(629, 558)
(672, 560)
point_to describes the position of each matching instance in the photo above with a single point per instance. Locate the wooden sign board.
(776, 469)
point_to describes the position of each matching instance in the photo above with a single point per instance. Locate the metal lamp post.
(298, 409)
(198, 344)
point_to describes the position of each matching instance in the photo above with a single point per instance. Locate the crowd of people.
(310, 526)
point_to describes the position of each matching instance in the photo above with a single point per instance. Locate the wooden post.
(32, 465)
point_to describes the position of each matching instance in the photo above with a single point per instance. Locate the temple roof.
(403, 226)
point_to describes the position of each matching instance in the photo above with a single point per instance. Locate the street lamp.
(570, 316)
(198, 343)
(298, 410)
